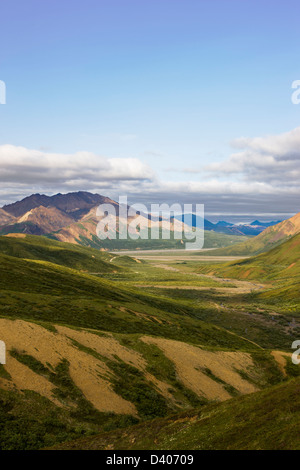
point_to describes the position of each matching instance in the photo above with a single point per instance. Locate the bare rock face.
(49, 219)
(6, 218)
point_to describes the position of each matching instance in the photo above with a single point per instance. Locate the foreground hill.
(87, 353)
(268, 420)
(88, 350)
(60, 382)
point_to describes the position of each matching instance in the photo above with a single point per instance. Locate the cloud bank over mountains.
(261, 175)
(273, 160)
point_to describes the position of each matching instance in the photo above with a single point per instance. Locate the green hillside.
(282, 262)
(43, 291)
(253, 246)
(211, 240)
(34, 247)
(158, 347)
(279, 269)
(265, 420)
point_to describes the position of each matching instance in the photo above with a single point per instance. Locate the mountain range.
(251, 229)
(72, 218)
(265, 241)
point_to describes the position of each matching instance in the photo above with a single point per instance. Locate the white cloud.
(25, 166)
(263, 175)
(272, 159)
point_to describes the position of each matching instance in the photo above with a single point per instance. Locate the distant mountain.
(66, 217)
(193, 220)
(48, 219)
(84, 233)
(249, 230)
(74, 204)
(265, 224)
(6, 218)
(268, 239)
(224, 227)
(19, 208)
(72, 218)
(223, 223)
(39, 214)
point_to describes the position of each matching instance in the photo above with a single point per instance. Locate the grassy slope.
(42, 291)
(39, 290)
(279, 263)
(30, 421)
(265, 420)
(254, 246)
(280, 267)
(50, 293)
(64, 254)
(211, 240)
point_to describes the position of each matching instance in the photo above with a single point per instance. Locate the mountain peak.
(75, 204)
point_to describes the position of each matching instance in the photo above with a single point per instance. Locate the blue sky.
(163, 86)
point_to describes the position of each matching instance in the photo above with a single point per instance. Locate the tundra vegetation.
(167, 348)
